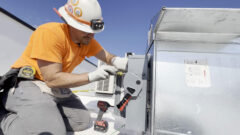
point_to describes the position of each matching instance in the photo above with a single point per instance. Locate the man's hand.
(101, 73)
(120, 63)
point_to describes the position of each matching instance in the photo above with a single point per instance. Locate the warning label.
(197, 73)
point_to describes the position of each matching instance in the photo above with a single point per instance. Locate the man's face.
(81, 37)
(85, 38)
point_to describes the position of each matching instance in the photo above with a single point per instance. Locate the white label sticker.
(197, 73)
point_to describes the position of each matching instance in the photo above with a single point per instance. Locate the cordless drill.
(101, 125)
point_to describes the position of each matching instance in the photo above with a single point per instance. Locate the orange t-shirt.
(51, 42)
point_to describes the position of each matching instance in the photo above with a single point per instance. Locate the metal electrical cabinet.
(195, 71)
(137, 79)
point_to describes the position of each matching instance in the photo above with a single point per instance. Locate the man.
(46, 106)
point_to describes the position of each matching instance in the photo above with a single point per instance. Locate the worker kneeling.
(36, 89)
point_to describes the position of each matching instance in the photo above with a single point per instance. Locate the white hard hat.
(84, 15)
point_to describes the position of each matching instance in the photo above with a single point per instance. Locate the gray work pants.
(32, 112)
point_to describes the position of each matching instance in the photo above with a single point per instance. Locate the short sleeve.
(94, 48)
(47, 46)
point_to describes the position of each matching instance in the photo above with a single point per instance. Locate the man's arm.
(105, 56)
(118, 62)
(55, 78)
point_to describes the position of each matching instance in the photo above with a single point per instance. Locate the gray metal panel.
(153, 52)
(196, 72)
(198, 47)
(212, 25)
(185, 106)
(136, 108)
(216, 38)
(200, 20)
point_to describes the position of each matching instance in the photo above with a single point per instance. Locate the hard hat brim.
(74, 23)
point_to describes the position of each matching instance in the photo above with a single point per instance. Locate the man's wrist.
(113, 59)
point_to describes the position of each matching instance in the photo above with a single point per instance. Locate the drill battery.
(101, 126)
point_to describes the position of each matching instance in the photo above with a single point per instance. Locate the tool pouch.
(8, 80)
(13, 77)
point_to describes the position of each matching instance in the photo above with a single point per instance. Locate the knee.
(81, 122)
(51, 121)
(50, 124)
